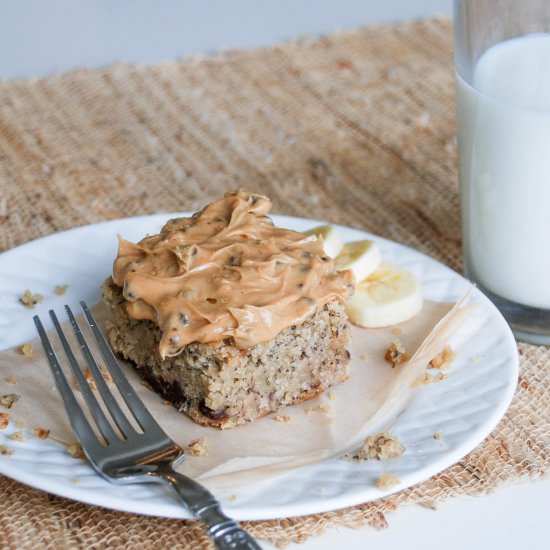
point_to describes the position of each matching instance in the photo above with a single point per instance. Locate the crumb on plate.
(4, 420)
(75, 450)
(377, 447)
(5, 451)
(437, 435)
(11, 379)
(8, 400)
(29, 299)
(443, 359)
(395, 354)
(26, 350)
(18, 436)
(323, 407)
(19, 424)
(281, 418)
(387, 480)
(331, 395)
(41, 433)
(60, 289)
(198, 447)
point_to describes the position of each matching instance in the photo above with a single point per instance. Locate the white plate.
(466, 407)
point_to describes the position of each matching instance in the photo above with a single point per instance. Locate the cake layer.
(218, 384)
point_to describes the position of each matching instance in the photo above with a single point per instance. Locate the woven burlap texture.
(356, 128)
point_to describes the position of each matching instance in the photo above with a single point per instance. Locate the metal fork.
(126, 455)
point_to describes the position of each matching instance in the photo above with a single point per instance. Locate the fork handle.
(226, 534)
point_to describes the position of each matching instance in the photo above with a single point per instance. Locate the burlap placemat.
(356, 128)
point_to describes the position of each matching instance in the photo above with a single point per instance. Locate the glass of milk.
(503, 101)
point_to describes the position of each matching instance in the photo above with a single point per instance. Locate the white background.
(38, 37)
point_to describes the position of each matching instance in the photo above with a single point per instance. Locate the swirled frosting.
(226, 272)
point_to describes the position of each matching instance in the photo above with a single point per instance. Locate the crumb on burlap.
(60, 289)
(5, 451)
(18, 436)
(9, 400)
(198, 447)
(395, 354)
(331, 395)
(281, 418)
(323, 407)
(4, 420)
(11, 380)
(29, 299)
(387, 480)
(26, 350)
(75, 450)
(443, 359)
(41, 433)
(437, 435)
(377, 447)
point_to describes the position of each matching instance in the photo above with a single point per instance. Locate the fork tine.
(108, 398)
(97, 412)
(80, 424)
(136, 406)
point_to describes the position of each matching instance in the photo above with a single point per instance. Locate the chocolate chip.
(212, 300)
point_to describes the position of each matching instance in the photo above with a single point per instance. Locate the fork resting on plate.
(124, 454)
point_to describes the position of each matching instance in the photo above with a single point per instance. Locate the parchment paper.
(374, 394)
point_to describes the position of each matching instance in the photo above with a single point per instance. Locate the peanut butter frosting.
(226, 272)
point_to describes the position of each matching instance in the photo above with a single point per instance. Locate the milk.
(504, 151)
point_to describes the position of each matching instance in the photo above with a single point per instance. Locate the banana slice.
(332, 243)
(362, 257)
(388, 296)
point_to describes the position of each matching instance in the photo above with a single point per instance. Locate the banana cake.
(228, 316)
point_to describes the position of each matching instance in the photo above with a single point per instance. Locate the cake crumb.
(387, 480)
(198, 447)
(167, 403)
(231, 498)
(146, 385)
(26, 350)
(431, 504)
(75, 450)
(437, 435)
(363, 356)
(427, 378)
(19, 424)
(395, 354)
(5, 451)
(41, 433)
(379, 446)
(18, 436)
(4, 420)
(331, 395)
(323, 407)
(29, 299)
(11, 379)
(443, 359)
(282, 418)
(9, 400)
(60, 289)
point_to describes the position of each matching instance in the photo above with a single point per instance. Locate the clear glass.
(502, 50)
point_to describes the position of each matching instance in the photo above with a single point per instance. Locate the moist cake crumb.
(331, 395)
(198, 447)
(26, 350)
(443, 359)
(4, 420)
(437, 435)
(395, 354)
(60, 289)
(387, 480)
(379, 447)
(29, 299)
(75, 450)
(231, 498)
(9, 400)
(18, 436)
(282, 418)
(323, 407)
(41, 433)
(11, 379)
(5, 451)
